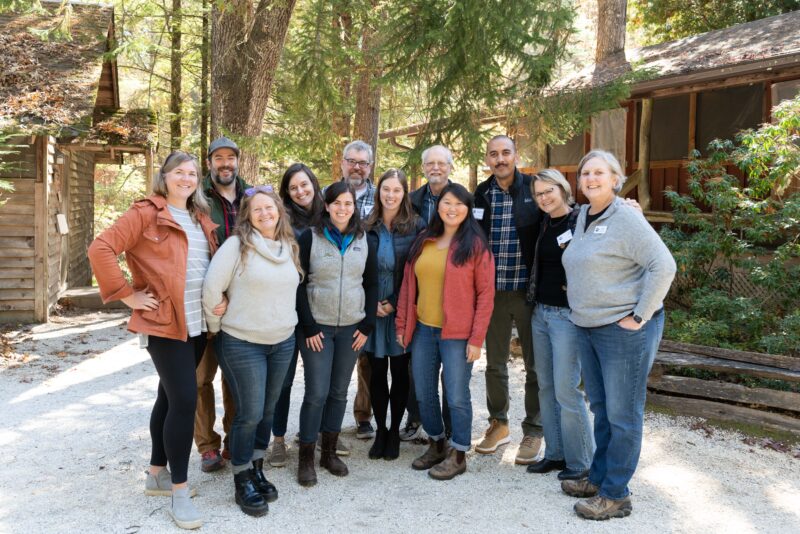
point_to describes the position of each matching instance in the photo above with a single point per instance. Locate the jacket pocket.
(155, 234)
(163, 315)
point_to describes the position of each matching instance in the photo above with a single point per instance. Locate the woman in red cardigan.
(443, 312)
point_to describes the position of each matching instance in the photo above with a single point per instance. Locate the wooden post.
(692, 122)
(473, 177)
(41, 195)
(148, 170)
(644, 153)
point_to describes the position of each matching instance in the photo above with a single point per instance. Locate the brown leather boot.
(306, 474)
(437, 452)
(328, 459)
(454, 465)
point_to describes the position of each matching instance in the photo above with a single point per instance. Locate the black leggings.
(172, 418)
(379, 388)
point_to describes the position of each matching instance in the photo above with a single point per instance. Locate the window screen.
(570, 153)
(608, 132)
(721, 114)
(785, 91)
(669, 130)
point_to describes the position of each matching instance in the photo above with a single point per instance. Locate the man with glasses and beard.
(224, 189)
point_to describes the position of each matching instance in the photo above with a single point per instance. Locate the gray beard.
(357, 182)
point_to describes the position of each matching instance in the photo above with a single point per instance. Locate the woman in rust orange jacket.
(168, 239)
(443, 313)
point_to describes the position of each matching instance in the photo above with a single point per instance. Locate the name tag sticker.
(600, 229)
(564, 238)
(478, 213)
(367, 210)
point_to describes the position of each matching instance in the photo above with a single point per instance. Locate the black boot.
(247, 497)
(328, 459)
(263, 486)
(392, 449)
(306, 474)
(379, 445)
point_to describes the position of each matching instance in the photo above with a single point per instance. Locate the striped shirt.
(510, 270)
(197, 261)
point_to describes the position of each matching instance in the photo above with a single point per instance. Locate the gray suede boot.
(183, 511)
(160, 485)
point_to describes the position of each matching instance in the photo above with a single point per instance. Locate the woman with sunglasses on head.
(443, 313)
(336, 304)
(168, 232)
(395, 226)
(259, 270)
(302, 198)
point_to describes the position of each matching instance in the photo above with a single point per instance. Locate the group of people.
(391, 282)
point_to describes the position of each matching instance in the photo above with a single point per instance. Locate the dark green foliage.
(738, 280)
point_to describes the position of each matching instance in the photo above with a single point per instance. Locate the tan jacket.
(155, 248)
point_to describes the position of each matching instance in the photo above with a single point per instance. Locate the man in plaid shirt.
(505, 208)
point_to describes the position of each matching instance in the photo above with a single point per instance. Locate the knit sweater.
(261, 292)
(616, 267)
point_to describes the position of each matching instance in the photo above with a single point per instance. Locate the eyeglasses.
(258, 189)
(357, 163)
(545, 193)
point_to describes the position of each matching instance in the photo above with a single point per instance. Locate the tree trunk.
(610, 28)
(246, 46)
(175, 78)
(473, 178)
(341, 119)
(204, 71)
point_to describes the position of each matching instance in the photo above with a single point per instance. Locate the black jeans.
(172, 418)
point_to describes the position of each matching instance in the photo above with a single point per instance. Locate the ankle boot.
(328, 459)
(247, 497)
(437, 452)
(392, 449)
(306, 474)
(266, 488)
(379, 445)
(454, 465)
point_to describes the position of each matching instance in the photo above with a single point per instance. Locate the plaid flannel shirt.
(510, 271)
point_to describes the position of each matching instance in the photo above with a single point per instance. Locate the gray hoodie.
(261, 294)
(617, 267)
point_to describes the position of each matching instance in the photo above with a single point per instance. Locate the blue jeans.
(255, 374)
(281, 418)
(567, 430)
(430, 352)
(615, 364)
(327, 376)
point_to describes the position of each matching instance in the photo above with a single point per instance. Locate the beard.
(217, 178)
(356, 180)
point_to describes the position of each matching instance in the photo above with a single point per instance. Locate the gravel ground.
(75, 397)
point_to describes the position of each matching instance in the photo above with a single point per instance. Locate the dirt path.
(75, 397)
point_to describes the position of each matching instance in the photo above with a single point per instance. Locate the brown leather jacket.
(155, 248)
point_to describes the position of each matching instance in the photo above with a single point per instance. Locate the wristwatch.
(638, 319)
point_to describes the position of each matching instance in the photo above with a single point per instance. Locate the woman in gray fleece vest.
(337, 303)
(618, 273)
(259, 269)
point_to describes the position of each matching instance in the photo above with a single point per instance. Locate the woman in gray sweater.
(618, 273)
(259, 270)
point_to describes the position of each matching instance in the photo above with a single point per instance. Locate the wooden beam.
(725, 366)
(716, 83)
(41, 193)
(630, 183)
(644, 153)
(659, 217)
(692, 122)
(774, 360)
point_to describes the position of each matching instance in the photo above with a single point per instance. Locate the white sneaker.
(411, 432)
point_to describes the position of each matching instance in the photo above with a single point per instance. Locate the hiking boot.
(379, 445)
(364, 430)
(183, 511)
(392, 449)
(411, 431)
(342, 449)
(266, 488)
(306, 475)
(528, 450)
(160, 485)
(451, 467)
(279, 457)
(581, 488)
(496, 435)
(328, 459)
(599, 508)
(248, 498)
(212, 461)
(436, 453)
(226, 453)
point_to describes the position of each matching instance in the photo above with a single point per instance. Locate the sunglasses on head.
(258, 189)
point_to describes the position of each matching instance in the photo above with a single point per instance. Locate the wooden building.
(59, 117)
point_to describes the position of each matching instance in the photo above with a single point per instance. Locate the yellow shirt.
(429, 269)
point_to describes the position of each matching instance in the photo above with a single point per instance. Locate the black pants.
(379, 388)
(172, 418)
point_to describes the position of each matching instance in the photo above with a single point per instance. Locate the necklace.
(559, 223)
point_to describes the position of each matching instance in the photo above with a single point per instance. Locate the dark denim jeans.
(255, 374)
(567, 429)
(430, 352)
(615, 364)
(327, 377)
(281, 418)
